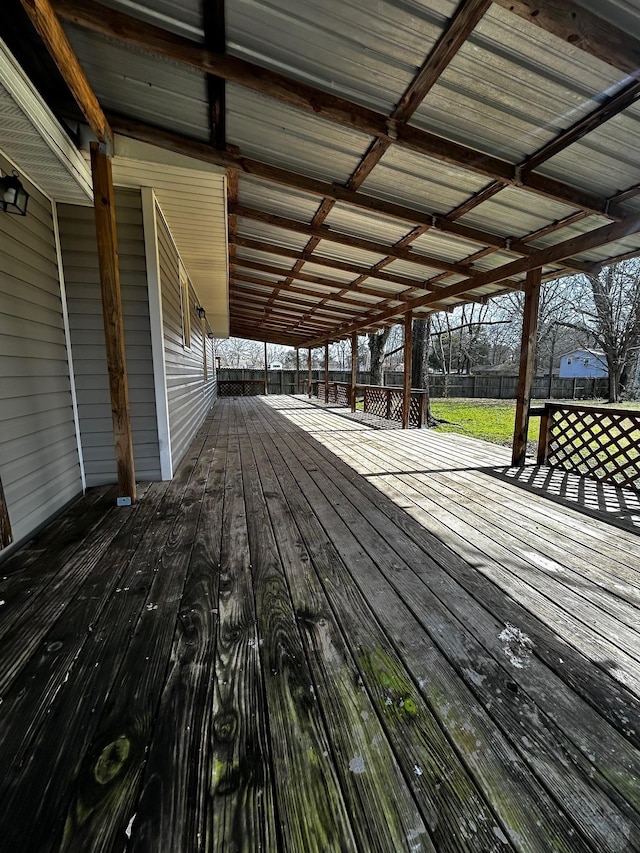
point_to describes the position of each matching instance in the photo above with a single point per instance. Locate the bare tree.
(377, 343)
(239, 352)
(607, 305)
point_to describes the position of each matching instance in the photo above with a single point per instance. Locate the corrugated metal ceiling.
(509, 90)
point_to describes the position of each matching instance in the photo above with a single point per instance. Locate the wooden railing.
(240, 387)
(339, 393)
(380, 400)
(593, 441)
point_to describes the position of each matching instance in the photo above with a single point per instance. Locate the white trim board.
(149, 208)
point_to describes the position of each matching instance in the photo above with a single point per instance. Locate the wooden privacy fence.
(379, 400)
(594, 441)
(240, 387)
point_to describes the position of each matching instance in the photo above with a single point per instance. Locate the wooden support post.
(543, 440)
(406, 383)
(105, 213)
(266, 371)
(527, 365)
(297, 370)
(354, 369)
(309, 373)
(6, 536)
(326, 373)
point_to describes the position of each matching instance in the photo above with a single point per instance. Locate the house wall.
(190, 395)
(39, 460)
(572, 365)
(80, 262)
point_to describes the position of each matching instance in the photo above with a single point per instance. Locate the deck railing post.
(326, 373)
(527, 364)
(354, 369)
(406, 379)
(266, 370)
(543, 439)
(297, 370)
(309, 373)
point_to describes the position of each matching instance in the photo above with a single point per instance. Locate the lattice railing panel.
(415, 410)
(240, 388)
(375, 401)
(596, 442)
(343, 395)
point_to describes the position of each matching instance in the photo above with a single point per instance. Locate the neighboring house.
(56, 431)
(583, 364)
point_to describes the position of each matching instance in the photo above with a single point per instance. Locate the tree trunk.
(420, 363)
(377, 342)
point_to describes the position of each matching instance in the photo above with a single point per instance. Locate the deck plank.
(383, 810)
(299, 644)
(563, 772)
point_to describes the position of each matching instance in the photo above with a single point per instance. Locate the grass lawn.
(493, 420)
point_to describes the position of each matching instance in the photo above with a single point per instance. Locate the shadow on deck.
(324, 637)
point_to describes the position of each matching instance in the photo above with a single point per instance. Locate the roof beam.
(323, 282)
(239, 275)
(467, 16)
(46, 22)
(330, 263)
(326, 233)
(118, 25)
(241, 290)
(574, 24)
(541, 257)
(201, 151)
(213, 19)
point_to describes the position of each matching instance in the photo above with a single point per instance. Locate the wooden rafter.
(329, 263)
(118, 25)
(46, 22)
(201, 151)
(541, 257)
(213, 20)
(323, 232)
(572, 23)
(239, 275)
(232, 203)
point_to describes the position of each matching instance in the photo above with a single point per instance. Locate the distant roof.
(384, 156)
(597, 352)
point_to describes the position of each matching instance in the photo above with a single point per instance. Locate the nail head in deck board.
(382, 809)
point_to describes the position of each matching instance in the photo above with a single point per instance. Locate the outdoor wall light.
(201, 312)
(13, 196)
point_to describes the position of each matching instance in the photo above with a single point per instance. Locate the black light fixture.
(13, 196)
(201, 312)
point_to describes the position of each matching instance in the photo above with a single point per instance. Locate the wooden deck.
(322, 637)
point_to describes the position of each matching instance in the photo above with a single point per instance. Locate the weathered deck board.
(298, 645)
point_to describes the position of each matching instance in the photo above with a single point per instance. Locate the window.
(185, 308)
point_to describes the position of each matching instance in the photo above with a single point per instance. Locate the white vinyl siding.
(189, 396)
(39, 464)
(80, 261)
